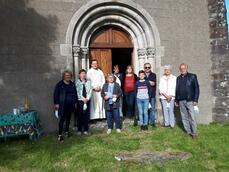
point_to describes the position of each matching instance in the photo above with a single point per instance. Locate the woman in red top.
(129, 91)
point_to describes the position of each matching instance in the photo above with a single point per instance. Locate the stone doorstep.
(101, 124)
(143, 156)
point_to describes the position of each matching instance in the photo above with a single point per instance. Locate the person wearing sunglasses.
(152, 78)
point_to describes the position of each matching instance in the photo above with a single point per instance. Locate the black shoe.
(145, 127)
(60, 138)
(67, 134)
(194, 136)
(135, 122)
(153, 125)
(142, 127)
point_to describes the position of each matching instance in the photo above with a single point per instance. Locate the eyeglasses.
(147, 67)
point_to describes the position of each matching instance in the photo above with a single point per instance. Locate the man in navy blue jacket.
(152, 78)
(187, 95)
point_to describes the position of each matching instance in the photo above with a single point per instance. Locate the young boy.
(143, 97)
(111, 93)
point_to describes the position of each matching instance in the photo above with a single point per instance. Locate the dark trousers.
(130, 102)
(66, 117)
(113, 113)
(83, 117)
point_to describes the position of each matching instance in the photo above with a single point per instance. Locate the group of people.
(94, 96)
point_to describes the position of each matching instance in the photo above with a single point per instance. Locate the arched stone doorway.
(125, 14)
(111, 46)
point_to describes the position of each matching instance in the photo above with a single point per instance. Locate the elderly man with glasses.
(151, 77)
(186, 97)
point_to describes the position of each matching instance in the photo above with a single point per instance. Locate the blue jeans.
(143, 105)
(113, 113)
(152, 111)
(168, 112)
(129, 99)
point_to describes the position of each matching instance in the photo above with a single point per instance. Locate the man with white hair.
(187, 95)
(167, 88)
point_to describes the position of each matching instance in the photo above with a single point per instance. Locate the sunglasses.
(147, 67)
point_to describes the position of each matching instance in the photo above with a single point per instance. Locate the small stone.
(223, 84)
(224, 103)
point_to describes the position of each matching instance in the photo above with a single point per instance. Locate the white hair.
(168, 67)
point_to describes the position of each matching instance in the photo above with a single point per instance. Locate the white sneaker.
(118, 130)
(85, 133)
(109, 131)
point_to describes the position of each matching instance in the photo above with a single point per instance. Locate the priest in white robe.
(96, 76)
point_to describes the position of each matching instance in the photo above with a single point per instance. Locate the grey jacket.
(117, 91)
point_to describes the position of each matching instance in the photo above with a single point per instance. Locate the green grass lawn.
(96, 152)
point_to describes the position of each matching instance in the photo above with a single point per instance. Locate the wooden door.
(110, 37)
(104, 59)
(103, 41)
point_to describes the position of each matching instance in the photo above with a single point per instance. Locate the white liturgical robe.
(97, 79)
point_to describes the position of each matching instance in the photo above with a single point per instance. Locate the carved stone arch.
(126, 14)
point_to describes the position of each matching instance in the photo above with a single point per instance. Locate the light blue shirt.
(110, 92)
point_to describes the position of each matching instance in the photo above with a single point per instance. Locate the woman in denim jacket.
(84, 90)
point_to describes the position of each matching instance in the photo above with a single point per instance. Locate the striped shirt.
(142, 89)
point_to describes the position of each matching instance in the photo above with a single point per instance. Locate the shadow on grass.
(178, 118)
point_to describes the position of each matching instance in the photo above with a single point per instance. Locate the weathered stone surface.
(98, 125)
(219, 57)
(142, 156)
(103, 124)
(31, 61)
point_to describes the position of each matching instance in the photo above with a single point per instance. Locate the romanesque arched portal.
(125, 14)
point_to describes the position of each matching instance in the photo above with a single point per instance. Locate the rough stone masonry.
(31, 32)
(220, 59)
